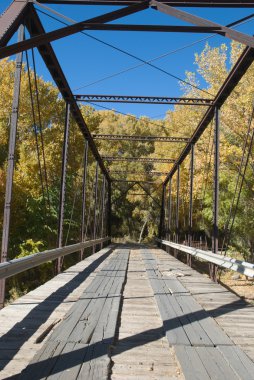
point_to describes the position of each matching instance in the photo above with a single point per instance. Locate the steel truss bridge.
(70, 324)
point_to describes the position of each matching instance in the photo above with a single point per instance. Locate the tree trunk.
(142, 231)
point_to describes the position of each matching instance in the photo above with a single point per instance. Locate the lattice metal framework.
(141, 138)
(144, 100)
(139, 159)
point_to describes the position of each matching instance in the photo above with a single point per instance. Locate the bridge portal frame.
(24, 12)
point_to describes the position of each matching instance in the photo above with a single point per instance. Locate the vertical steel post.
(11, 162)
(169, 212)
(103, 208)
(177, 203)
(170, 207)
(109, 211)
(162, 215)
(84, 197)
(177, 207)
(191, 202)
(213, 268)
(95, 204)
(63, 186)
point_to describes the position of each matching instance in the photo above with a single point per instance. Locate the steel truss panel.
(35, 27)
(138, 159)
(140, 138)
(43, 38)
(179, 3)
(143, 99)
(158, 174)
(131, 181)
(235, 75)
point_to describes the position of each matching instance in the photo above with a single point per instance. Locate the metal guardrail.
(239, 266)
(16, 266)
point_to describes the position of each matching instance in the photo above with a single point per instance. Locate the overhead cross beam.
(140, 138)
(192, 19)
(176, 3)
(139, 159)
(153, 28)
(143, 99)
(111, 16)
(44, 37)
(153, 173)
(131, 181)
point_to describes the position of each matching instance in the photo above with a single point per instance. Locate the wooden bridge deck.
(128, 313)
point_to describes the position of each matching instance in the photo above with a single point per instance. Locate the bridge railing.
(227, 262)
(15, 266)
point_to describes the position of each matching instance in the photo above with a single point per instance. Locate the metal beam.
(11, 163)
(63, 186)
(138, 159)
(176, 3)
(95, 203)
(141, 138)
(158, 174)
(35, 28)
(187, 17)
(152, 28)
(109, 210)
(44, 38)
(223, 261)
(84, 180)
(131, 181)
(143, 99)
(11, 19)
(149, 194)
(124, 193)
(16, 266)
(233, 78)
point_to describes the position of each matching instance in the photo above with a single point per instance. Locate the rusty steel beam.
(143, 99)
(241, 66)
(35, 27)
(44, 37)
(139, 159)
(11, 19)
(153, 28)
(199, 21)
(140, 138)
(176, 3)
(131, 181)
(154, 173)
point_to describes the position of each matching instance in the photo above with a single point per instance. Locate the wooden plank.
(215, 364)
(172, 323)
(196, 312)
(239, 361)
(86, 323)
(191, 364)
(43, 362)
(79, 351)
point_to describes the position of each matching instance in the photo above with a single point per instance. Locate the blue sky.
(86, 61)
